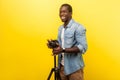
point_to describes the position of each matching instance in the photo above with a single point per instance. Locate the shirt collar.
(70, 23)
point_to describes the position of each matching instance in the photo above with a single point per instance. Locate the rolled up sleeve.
(81, 38)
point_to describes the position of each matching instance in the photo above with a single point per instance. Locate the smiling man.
(72, 44)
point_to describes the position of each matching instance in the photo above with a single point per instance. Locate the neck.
(66, 23)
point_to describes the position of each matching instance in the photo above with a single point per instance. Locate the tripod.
(55, 70)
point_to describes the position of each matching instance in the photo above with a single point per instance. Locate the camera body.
(53, 43)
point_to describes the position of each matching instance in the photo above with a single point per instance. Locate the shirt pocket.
(69, 38)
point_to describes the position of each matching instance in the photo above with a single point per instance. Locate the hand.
(57, 50)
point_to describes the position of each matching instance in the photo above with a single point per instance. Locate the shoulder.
(78, 26)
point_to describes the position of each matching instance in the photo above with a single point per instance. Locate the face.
(64, 14)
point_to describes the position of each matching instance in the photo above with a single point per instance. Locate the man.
(72, 44)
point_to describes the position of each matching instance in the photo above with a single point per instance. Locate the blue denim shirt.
(74, 35)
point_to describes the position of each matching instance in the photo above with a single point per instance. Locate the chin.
(63, 20)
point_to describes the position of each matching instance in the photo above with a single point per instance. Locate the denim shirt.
(74, 35)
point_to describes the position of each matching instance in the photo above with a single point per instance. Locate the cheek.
(67, 15)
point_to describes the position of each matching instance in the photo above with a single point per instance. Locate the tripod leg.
(56, 71)
(50, 74)
(57, 74)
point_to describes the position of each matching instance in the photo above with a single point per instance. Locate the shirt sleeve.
(80, 36)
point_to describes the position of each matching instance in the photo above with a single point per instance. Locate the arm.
(81, 39)
(80, 36)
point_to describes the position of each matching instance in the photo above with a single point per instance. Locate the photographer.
(71, 45)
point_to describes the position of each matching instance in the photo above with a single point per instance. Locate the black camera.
(53, 43)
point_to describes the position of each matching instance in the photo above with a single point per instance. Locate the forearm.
(74, 49)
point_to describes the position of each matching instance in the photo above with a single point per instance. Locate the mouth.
(63, 17)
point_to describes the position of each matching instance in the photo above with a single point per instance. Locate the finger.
(54, 52)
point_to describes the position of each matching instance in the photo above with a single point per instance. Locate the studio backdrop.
(25, 26)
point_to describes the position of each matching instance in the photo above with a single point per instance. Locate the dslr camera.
(53, 43)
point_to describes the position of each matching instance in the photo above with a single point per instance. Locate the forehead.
(64, 8)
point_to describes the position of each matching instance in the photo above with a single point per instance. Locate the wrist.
(63, 50)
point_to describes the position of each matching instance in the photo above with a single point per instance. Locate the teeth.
(62, 17)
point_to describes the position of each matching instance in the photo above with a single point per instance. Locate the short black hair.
(68, 6)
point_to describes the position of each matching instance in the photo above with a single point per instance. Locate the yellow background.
(25, 25)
